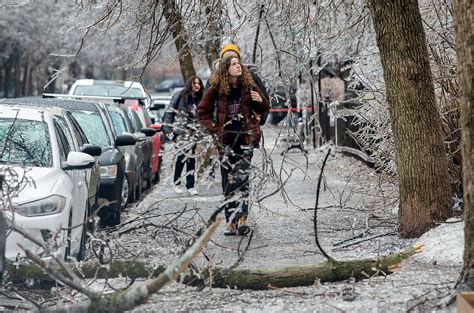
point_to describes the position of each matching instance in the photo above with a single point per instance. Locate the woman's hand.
(255, 96)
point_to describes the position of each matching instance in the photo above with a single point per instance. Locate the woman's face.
(196, 85)
(235, 70)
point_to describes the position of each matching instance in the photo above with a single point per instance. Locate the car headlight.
(51, 205)
(109, 171)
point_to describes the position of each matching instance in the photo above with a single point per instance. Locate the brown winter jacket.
(251, 127)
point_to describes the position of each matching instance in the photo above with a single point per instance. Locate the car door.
(92, 174)
(145, 143)
(78, 177)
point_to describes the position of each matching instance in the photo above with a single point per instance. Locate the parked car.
(98, 130)
(159, 104)
(76, 139)
(136, 168)
(50, 200)
(109, 88)
(144, 121)
(169, 85)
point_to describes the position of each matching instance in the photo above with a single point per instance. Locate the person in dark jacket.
(237, 101)
(180, 120)
(230, 50)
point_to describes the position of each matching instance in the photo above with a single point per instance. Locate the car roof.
(103, 82)
(27, 112)
(73, 105)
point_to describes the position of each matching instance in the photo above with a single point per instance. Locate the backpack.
(258, 81)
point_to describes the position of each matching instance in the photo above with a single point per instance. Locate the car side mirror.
(79, 160)
(125, 140)
(148, 131)
(92, 150)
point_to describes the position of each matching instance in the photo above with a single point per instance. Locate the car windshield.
(93, 126)
(108, 91)
(25, 142)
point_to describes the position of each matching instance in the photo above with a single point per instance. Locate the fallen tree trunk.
(307, 275)
(239, 278)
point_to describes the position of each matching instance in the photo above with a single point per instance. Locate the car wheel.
(148, 180)
(156, 179)
(139, 188)
(110, 214)
(126, 193)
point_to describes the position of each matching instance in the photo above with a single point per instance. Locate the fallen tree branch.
(126, 300)
(244, 278)
(341, 246)
(315, 219)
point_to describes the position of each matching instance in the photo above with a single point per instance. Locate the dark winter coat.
(251, 127)
(180, 114)
(258, 80)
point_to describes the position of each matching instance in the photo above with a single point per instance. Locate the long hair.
(221, 78)
(189, 88)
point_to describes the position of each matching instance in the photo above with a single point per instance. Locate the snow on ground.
(355, 204)
(357, 219)
(443, 245)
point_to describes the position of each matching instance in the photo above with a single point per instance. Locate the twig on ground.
(366, 239)
(315, 220)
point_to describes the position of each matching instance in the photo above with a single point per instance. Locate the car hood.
(36, 182)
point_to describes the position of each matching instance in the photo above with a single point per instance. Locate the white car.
(109, 88)
(45, 188)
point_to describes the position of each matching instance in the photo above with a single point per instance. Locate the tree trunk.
(464, 17)
(238, 278)
(7, 67)
(17, 66)
(213, 12)
(425, 190)
(174, 20)
(27, 75)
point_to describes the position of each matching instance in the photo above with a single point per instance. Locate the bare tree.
(464, 14)
(425, 193)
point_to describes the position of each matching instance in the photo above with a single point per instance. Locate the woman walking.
(182, 115)
(229, 109)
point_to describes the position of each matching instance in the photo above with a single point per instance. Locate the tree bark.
(17, 66)
(238, 278)
(7, 67)
(213, 12)
(174, 19)
(422, 168)
(27, 75)
(464, 18)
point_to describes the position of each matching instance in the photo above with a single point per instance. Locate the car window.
(108, 90)
(118, 122)
(93, 126)
(147, 117)
(138, 121)
(126, 118)
(25, 142)
(63, 144)
(65, 127)
(78, 130)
